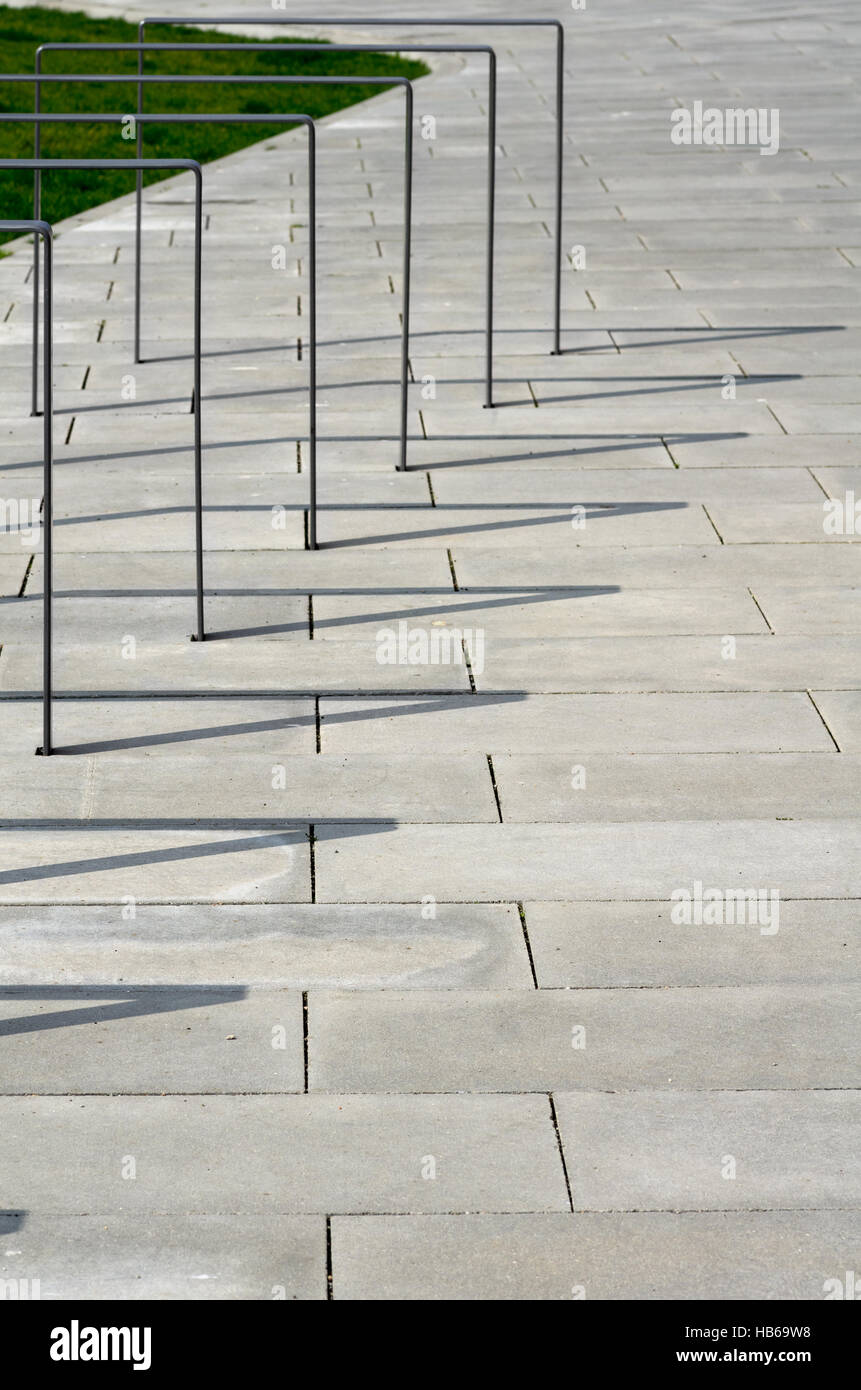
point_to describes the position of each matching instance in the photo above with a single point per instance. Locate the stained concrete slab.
(285, 946)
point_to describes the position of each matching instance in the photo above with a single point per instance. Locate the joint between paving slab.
(528, 944)
(555, 1120)
(826, 726)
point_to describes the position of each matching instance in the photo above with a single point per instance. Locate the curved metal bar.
(329, 79)
(193, 167)
(407, 22)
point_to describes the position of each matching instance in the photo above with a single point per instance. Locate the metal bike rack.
(351, 22)
(143, 48)
(40, 165)
(45, 231)
(57, 118)
(335, 80)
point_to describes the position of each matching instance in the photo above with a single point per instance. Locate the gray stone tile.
(178, 1257)
(237, 572)
(546, 613)
(260, 788)
(295, 946)
(791, 1036)
(163, 727)
(812, 610)
(13, 569)
(654, 567)
(111, 1039)
(613, 723)
(647, 665)
(799, 523)
(592, 1255)
(841, 710)
(281, 1154)
(635, 860)
(668, 1151)
(246, 668)
(89, 865)
(631, 523)
(594, 485)
(654, 787)
(615, 944)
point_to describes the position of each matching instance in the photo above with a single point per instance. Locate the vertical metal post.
(37, 213)
(138, 209)
(405, 302)
(48, 497)
(491, 219)
(560, 98)
(198, 434)
(312, 334)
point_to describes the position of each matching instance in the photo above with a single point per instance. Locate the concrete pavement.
(476, 915)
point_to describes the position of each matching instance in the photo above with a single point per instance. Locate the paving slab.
(841, 710)
(613, 944)
(115, 865)
(592, 1255)
(184, 1257)
(162, 727)
(281, 1154)
(651, 567)
(261, 789)
(814, 610)
(293, 946)
(725, 662)
(679, 723)
(658, 1150)
(595, 485)
(103, 1040)
(796, 523)
(703, 412)
(654, 787)
(548, 613)
(631, 523)
(252, 572)
(627, 860)
(221, 667)
(560, 1039)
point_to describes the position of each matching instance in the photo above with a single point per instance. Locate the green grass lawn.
(66, 193)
